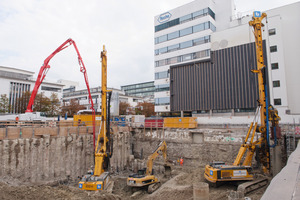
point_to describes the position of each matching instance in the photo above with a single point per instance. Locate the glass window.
(212, 27)
(186, 57)
(211, 13)
(163, 50)
(156, 51)
(277, 102)
(173, 35)
(173, 47)
(186, 31)
(273, 48)
(172, 60)
(164, 87)
(276, 83)
(198, 13)
(179, 58)
(199, 27)
(160, 75)
(186, 44)
(185, 18)
(272, 31)
(162, 38)
(198, 41)
(274, 65)
(162, 101)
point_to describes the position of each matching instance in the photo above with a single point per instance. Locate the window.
(162, 38)
(163, 50)
(276, 83)
(199, 27)
(173, 35)
(162, 101)
(186, 44)
(160, 75)
(274, 65)
(186, 31)
(273, 49)
(277, 102)
(272, 31)
(156, 52)
(187, 57)
(185, 18)
(172, 60)
(173, 48)
(198, 13)
(164, 87)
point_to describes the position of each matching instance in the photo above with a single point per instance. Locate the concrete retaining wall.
(46, 158)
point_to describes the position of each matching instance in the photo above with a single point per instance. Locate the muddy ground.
(179, 186)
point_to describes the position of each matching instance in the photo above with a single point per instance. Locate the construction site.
(217, 136)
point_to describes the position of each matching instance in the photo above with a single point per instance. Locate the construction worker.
(181, 161)
(17, 118)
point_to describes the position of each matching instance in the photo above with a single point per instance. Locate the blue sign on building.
(257, 14)
(164, 17)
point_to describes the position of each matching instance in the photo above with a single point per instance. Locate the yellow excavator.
(145, 178)
(99, 179)
(218, 172)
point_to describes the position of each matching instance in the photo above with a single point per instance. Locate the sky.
(30, 30)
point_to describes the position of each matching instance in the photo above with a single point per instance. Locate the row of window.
(161, 75)
(162, 101)
(183, 58)
(277, 101)
(140, 90)
(186, 18)
(183, 45)
(184, 32)
(163, 87)
(141, 85)
(45, 88)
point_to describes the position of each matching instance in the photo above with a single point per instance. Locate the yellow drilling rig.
(218, 172)
(99, 179)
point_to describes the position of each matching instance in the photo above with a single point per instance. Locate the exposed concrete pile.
(46, 159)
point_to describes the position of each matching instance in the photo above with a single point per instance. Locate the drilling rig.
(217, 172)
(99, 178)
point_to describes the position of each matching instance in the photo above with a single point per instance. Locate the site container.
(154, 123)
(86, 120)
(180, 122)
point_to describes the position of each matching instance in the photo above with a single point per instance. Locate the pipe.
(267, 120)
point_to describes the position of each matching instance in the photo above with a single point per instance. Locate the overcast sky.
(30, 30)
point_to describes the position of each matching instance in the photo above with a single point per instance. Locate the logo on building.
(164, 17)
(257, 14)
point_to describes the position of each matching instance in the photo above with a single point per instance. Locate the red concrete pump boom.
(44, 69)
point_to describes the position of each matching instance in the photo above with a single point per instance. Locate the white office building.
(183, 35)
(280, 33)
(14, 82)
(176, 45)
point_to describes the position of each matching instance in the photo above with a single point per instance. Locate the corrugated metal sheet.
(225, 82)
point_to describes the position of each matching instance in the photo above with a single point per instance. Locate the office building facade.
(183, 35)
(224, 83)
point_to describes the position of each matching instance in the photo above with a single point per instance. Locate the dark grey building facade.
(225, 82)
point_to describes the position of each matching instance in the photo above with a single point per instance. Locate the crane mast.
(99, 179)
